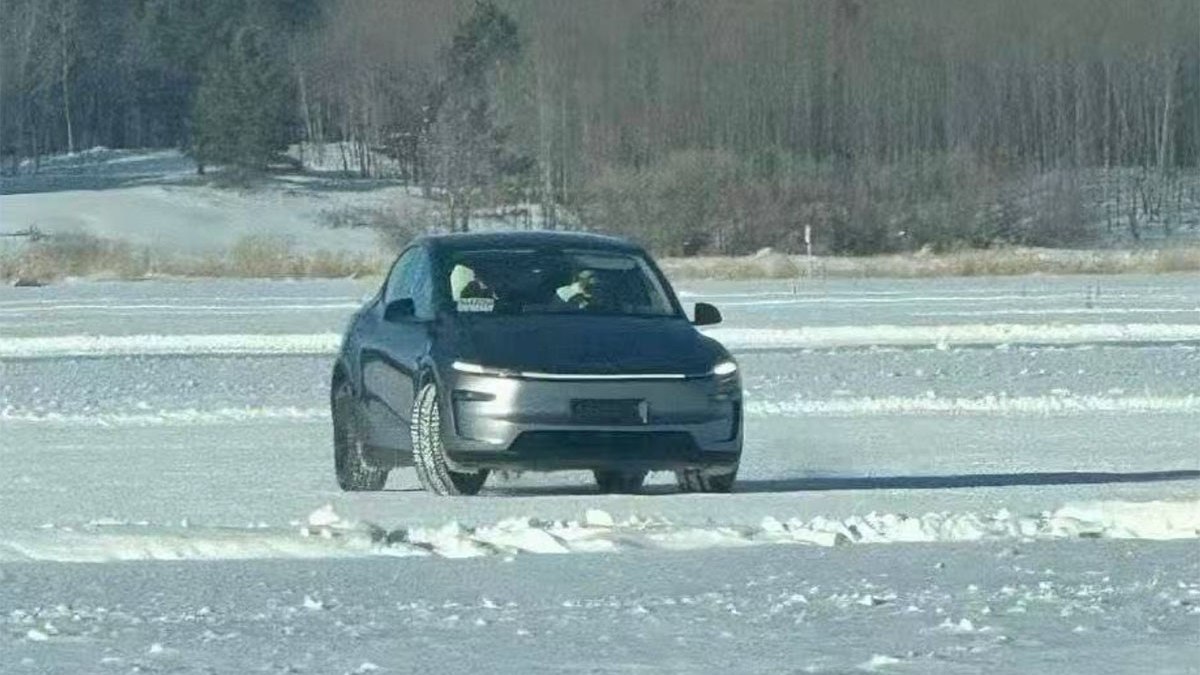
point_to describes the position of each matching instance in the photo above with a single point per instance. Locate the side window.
(420, 285)
(410, 278)
(399, 280)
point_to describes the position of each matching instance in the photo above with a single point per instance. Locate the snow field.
(932, 507)
(155, 200)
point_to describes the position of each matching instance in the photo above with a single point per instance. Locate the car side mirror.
(400, 310)
(706, 314)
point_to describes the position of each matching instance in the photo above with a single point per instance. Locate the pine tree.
(242, 106)
(469, 145)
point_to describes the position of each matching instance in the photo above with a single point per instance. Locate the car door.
(392, 348)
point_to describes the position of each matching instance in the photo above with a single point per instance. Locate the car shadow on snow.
(836, 483)
(971, 480)
(502, 490)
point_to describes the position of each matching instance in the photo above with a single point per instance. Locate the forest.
(695, 126)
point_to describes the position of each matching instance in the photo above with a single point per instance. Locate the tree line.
(694, 125)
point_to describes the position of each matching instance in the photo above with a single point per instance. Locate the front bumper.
(528, 423)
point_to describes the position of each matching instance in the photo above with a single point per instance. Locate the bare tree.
(67, 19)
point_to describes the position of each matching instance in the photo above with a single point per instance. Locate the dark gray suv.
(535, 351)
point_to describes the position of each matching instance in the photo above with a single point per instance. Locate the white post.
(808, 248)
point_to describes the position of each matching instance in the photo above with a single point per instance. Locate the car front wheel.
(429, 455)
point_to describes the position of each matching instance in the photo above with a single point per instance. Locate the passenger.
(460, 277)
(465, 285)
(580, 292)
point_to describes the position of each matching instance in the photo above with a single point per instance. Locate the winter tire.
(429, 455)
(353, 473)
(701, 480)
(622, 482)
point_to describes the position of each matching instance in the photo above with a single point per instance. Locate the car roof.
(526, 239)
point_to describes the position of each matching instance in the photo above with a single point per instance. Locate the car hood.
(585, 344)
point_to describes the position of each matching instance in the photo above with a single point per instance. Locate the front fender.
(426, 371)
(343, 371)
(348, 359)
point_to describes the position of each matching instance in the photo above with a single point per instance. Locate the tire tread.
(697, 480)
(429, 457)
(358, 476)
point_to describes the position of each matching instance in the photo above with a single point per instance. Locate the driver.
(464, 284)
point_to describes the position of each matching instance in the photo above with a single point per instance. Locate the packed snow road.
(980, 427)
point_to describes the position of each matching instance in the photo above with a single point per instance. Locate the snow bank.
(163, 418)
(954, 334)
(162, 345)
(146, 543)
(258, 306)
(153, 199)
(1066, 404)
(737, 339)
(992, 404)
(327, 534)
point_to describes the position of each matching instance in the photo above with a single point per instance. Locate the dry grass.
(72, 255)
(992, 262)
(277, 257)
(251, 257)
(1178, 260)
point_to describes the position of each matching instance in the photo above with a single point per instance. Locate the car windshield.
(506, 281)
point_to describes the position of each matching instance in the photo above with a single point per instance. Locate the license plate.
(609, 411)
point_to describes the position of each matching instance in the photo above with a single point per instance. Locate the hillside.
(139, 213)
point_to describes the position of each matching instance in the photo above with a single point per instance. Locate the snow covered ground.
(1086, 607)
(154, 199)
(984, 475)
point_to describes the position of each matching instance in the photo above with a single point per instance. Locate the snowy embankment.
(168, 345)
(325, 534)
(154, 200)
(983, 334)
(736, 339)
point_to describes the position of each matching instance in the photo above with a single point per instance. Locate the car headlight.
(728, 384)
(476, 369)
(725, 368)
